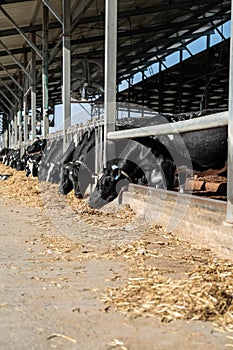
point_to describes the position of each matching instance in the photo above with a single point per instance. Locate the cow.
(52, 160)
(7, 155)
(33, 156)
(78, 165)
(202, 152)
(78, 171)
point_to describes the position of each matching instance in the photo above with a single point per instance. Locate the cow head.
(108, 186)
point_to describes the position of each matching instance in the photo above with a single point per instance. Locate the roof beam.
(5, 105)
(11, 76)
(15, 25)
(6, 98)
(53, 11)
(9, 89)
(122, 14)
(15, 59)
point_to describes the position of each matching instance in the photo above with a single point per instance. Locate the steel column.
(33, 90)
(15, 126)
(9, 132)
(20, 125)
(229, 216)
(110, 75)
(45, 72)
(25, 118)
(66, 49)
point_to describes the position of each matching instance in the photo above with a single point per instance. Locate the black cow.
(52, 160)
(79, 166)
(38, 145)
(204, 152)
(79, 163)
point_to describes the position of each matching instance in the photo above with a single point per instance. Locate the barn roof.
(148, 30)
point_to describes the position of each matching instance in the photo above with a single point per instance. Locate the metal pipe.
(25, 118)
(110, 75)
(45, 72)
(229, 216)
(66, 49)
(28, 91)
(33, 90)
(200, 123)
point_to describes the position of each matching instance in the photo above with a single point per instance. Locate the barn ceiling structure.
(147, 31)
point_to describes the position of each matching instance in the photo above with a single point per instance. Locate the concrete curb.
(198, 220)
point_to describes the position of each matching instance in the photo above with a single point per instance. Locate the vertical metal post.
(15, 126)
(66, 70)
(45, 72)
(229, 217)
(110, 75)
(19, 117)
(10, 132)
(19, 114)
(25, 118)
(33, 90)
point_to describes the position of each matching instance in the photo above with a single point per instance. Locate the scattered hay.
(20, 188)
(32, 193)
(203, 290)
(100, 218)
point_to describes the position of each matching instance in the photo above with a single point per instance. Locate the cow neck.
(84, 165)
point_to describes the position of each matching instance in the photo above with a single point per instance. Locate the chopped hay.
(203, 290)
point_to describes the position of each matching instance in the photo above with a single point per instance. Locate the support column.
(229, 217)
(15, 126)
(33, 90)
(10, 132)
(20, 125)
(25, 112)
(66, 82)
(45, 72)
(110, 76)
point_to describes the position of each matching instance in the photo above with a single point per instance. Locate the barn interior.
(172, 57)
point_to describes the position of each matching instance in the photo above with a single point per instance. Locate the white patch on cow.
(51, 167)
(156, 179)
(76, 140)
(171, 137)
(182, 188)
(30, 165)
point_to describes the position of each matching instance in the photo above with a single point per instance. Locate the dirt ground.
(76, 278)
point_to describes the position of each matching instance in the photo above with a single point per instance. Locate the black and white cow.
(10, 157)
(78, 170)
(79, 165)
(202, 152)
(52, 160)
(33, 156)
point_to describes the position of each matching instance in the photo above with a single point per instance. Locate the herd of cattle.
(160, 162)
